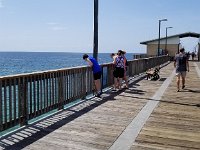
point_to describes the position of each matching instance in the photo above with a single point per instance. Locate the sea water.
(12, 63)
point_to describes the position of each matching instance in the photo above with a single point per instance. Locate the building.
(169, 45)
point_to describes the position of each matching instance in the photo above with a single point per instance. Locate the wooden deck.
(97, 124)
(175, 123)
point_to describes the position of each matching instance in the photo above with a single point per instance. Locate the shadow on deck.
(98, 123)
(31, 133)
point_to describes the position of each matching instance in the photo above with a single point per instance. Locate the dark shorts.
(97, 75)
(118, 72)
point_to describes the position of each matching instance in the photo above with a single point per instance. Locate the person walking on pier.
(181, 64)
(193, 55)
(96, 68)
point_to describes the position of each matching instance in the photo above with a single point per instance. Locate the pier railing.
(26, 96)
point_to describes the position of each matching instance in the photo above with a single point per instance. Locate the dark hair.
(182, 50)
(112, 54)
(85, 56)
(120, 52)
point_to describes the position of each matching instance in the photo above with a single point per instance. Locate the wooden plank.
(30, 95)
(174, 124)
(5, 103)
(10, 101)
(41, 95)
(15, 100)
(44, 94)
(38, 94)
(34, 96)
(168, 141)
(1, 107)
(53, 88)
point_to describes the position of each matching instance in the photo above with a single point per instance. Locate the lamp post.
(199, 50)
(95, 42)
(166, 38)
(159, 34)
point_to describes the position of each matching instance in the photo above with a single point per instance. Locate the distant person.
(188, 55)
(113, 56)
(181, 64)
(193, 55)
(125, 69)
(96, 68)
(119, 70)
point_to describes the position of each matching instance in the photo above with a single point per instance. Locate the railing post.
(146, 63)
(60, 91)
(83, 80)
(101, 79)
(110, 77)
(1, 115)
(23, 101)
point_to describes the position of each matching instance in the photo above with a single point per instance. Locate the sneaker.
(114, 90)
(183, 86)
(126, 87)
(98, 95)
(178, 90)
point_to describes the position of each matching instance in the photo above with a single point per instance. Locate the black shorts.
(97, 75)
(118, 72)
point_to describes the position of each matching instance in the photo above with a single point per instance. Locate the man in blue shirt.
(181, 64)
(96, 68)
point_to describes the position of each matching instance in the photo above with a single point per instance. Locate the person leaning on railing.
(125, 69)
(96, 68)
(119, 70)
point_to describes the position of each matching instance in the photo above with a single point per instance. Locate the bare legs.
(97, 85)
(117, 83)
(126, 80)
(183, 82)
(178, 82)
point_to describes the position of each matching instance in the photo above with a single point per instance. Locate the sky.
(67, 25)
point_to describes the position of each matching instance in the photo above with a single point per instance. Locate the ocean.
(12, 63)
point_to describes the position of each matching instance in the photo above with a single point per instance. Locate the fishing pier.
(57, 110)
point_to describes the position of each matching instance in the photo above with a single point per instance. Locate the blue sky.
(67, 25)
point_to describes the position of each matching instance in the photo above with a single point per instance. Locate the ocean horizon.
(12, 63)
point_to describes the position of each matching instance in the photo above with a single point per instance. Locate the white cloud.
(1, 3)
(56, 26)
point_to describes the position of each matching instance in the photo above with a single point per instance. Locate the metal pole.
(95, 43)
(178, 48)
(159, 37)
(199, 52)
(159, 34)
(166, 38)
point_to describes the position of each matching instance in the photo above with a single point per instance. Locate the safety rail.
(26, 96)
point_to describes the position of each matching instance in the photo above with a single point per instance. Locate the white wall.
(173, 40)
